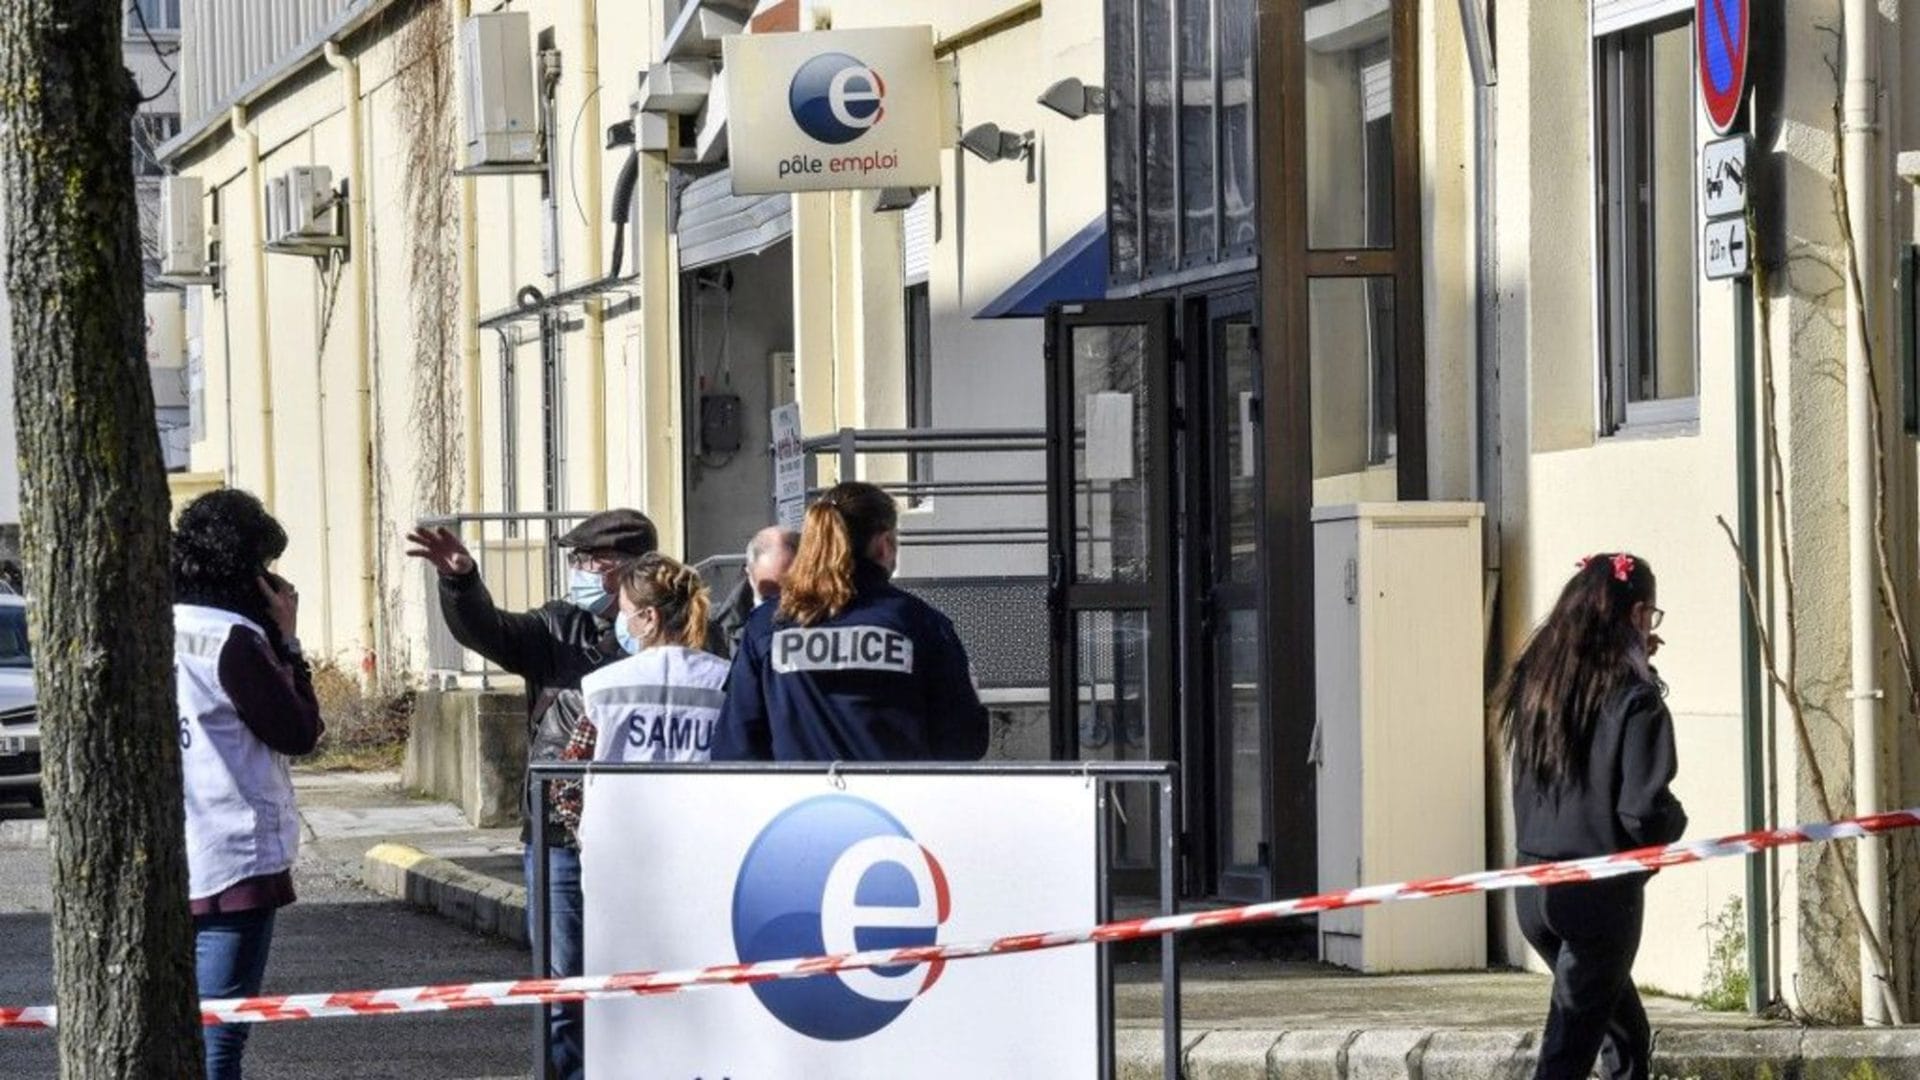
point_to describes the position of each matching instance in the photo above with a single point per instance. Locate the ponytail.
(676, 591)
(838, 530)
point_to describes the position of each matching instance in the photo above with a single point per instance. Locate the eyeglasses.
(1657, 617)
(598, 562)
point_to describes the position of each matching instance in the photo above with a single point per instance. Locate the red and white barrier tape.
(534, 991)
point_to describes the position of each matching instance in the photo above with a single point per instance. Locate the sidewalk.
(1259, 1020)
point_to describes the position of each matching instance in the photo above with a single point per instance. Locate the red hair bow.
(1622, 566)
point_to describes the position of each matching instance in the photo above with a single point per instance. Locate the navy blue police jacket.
(885, 680)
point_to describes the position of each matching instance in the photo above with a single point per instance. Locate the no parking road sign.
(1723, 37)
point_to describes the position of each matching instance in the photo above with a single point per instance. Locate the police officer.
(551, 648)
(846, 667)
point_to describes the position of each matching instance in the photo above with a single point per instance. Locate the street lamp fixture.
(895, 199)
(1074, 99)
(988, 143)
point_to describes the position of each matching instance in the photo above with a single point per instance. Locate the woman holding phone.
(246, 707)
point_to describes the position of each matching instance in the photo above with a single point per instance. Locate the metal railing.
(1001, 619)
(919, 445)
(522, 566)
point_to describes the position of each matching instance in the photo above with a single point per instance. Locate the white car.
(19, 717)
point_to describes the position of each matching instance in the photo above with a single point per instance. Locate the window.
(919, 375)
(151, 130)
(1644, 154)
(1180, 134)
(159, 15)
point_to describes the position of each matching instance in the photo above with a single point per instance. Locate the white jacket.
(241, 818)
(658, 705)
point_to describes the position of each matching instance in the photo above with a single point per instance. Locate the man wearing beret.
(550, 648)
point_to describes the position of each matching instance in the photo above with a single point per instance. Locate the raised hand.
(283, 604)
(443, 549)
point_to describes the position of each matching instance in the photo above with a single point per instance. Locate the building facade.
(150, 49)
(1347, 251)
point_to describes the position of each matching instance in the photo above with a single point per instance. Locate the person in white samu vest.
(661, 702)
(246, 705)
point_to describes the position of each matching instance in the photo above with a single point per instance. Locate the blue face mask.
(587, 591)
(624, 633)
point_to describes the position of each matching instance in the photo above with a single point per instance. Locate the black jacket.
(1625, 800)
(885, 680)
(730, 621)
(550, 648)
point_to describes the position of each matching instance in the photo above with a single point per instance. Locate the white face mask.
(587, 591)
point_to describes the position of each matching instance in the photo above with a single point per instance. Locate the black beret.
(626, 531)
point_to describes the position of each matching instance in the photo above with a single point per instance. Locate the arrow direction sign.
(1727, 250)
(1723, 177)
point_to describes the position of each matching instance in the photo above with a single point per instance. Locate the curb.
(470, 900)
(1393, 1054)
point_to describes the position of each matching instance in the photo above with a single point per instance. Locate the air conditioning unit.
(183, 228)
(276, 208)
(300, 204)
(502, 115)
(309, 201)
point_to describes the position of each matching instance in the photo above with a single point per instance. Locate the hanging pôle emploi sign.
(683, 869)
(1723, 37)
(833, 110)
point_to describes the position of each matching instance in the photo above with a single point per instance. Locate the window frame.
(917, 306)
(159, 32)
(1618, 228)
(1142, 268)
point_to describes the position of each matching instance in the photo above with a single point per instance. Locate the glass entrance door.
(1225, 707)
(1110, 482)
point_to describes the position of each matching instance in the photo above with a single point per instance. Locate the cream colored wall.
(1657, 497)
(1448, 253)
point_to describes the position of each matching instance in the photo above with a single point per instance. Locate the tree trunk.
(94, 510)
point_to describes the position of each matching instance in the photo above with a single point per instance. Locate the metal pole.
(849, 454)
(1170, 943)
(1752, 701)
(1103, 911)
(542, 937)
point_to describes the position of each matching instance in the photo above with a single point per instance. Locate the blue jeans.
(230, 960)
(566, 1054)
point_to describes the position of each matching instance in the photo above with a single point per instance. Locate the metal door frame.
(1203, 711)
(1066, 597)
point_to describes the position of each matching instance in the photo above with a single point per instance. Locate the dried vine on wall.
(424, 86)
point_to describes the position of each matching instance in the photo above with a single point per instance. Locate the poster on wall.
(833, 110)
(789, 468)
(687, 870)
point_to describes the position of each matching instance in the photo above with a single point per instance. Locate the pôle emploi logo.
(836, 99)
(838, 874)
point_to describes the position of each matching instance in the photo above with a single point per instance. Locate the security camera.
(1074, 99)
(988, 143)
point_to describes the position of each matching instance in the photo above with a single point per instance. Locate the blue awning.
(1076, 270)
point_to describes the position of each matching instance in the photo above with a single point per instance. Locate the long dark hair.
(1586, 652)
(222, 545)
(838, 530)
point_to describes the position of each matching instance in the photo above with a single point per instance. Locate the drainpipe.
(475, 486)
(364, 449)
(256, 206)
(1486, 272)
(1860, 143)
(590, 166)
